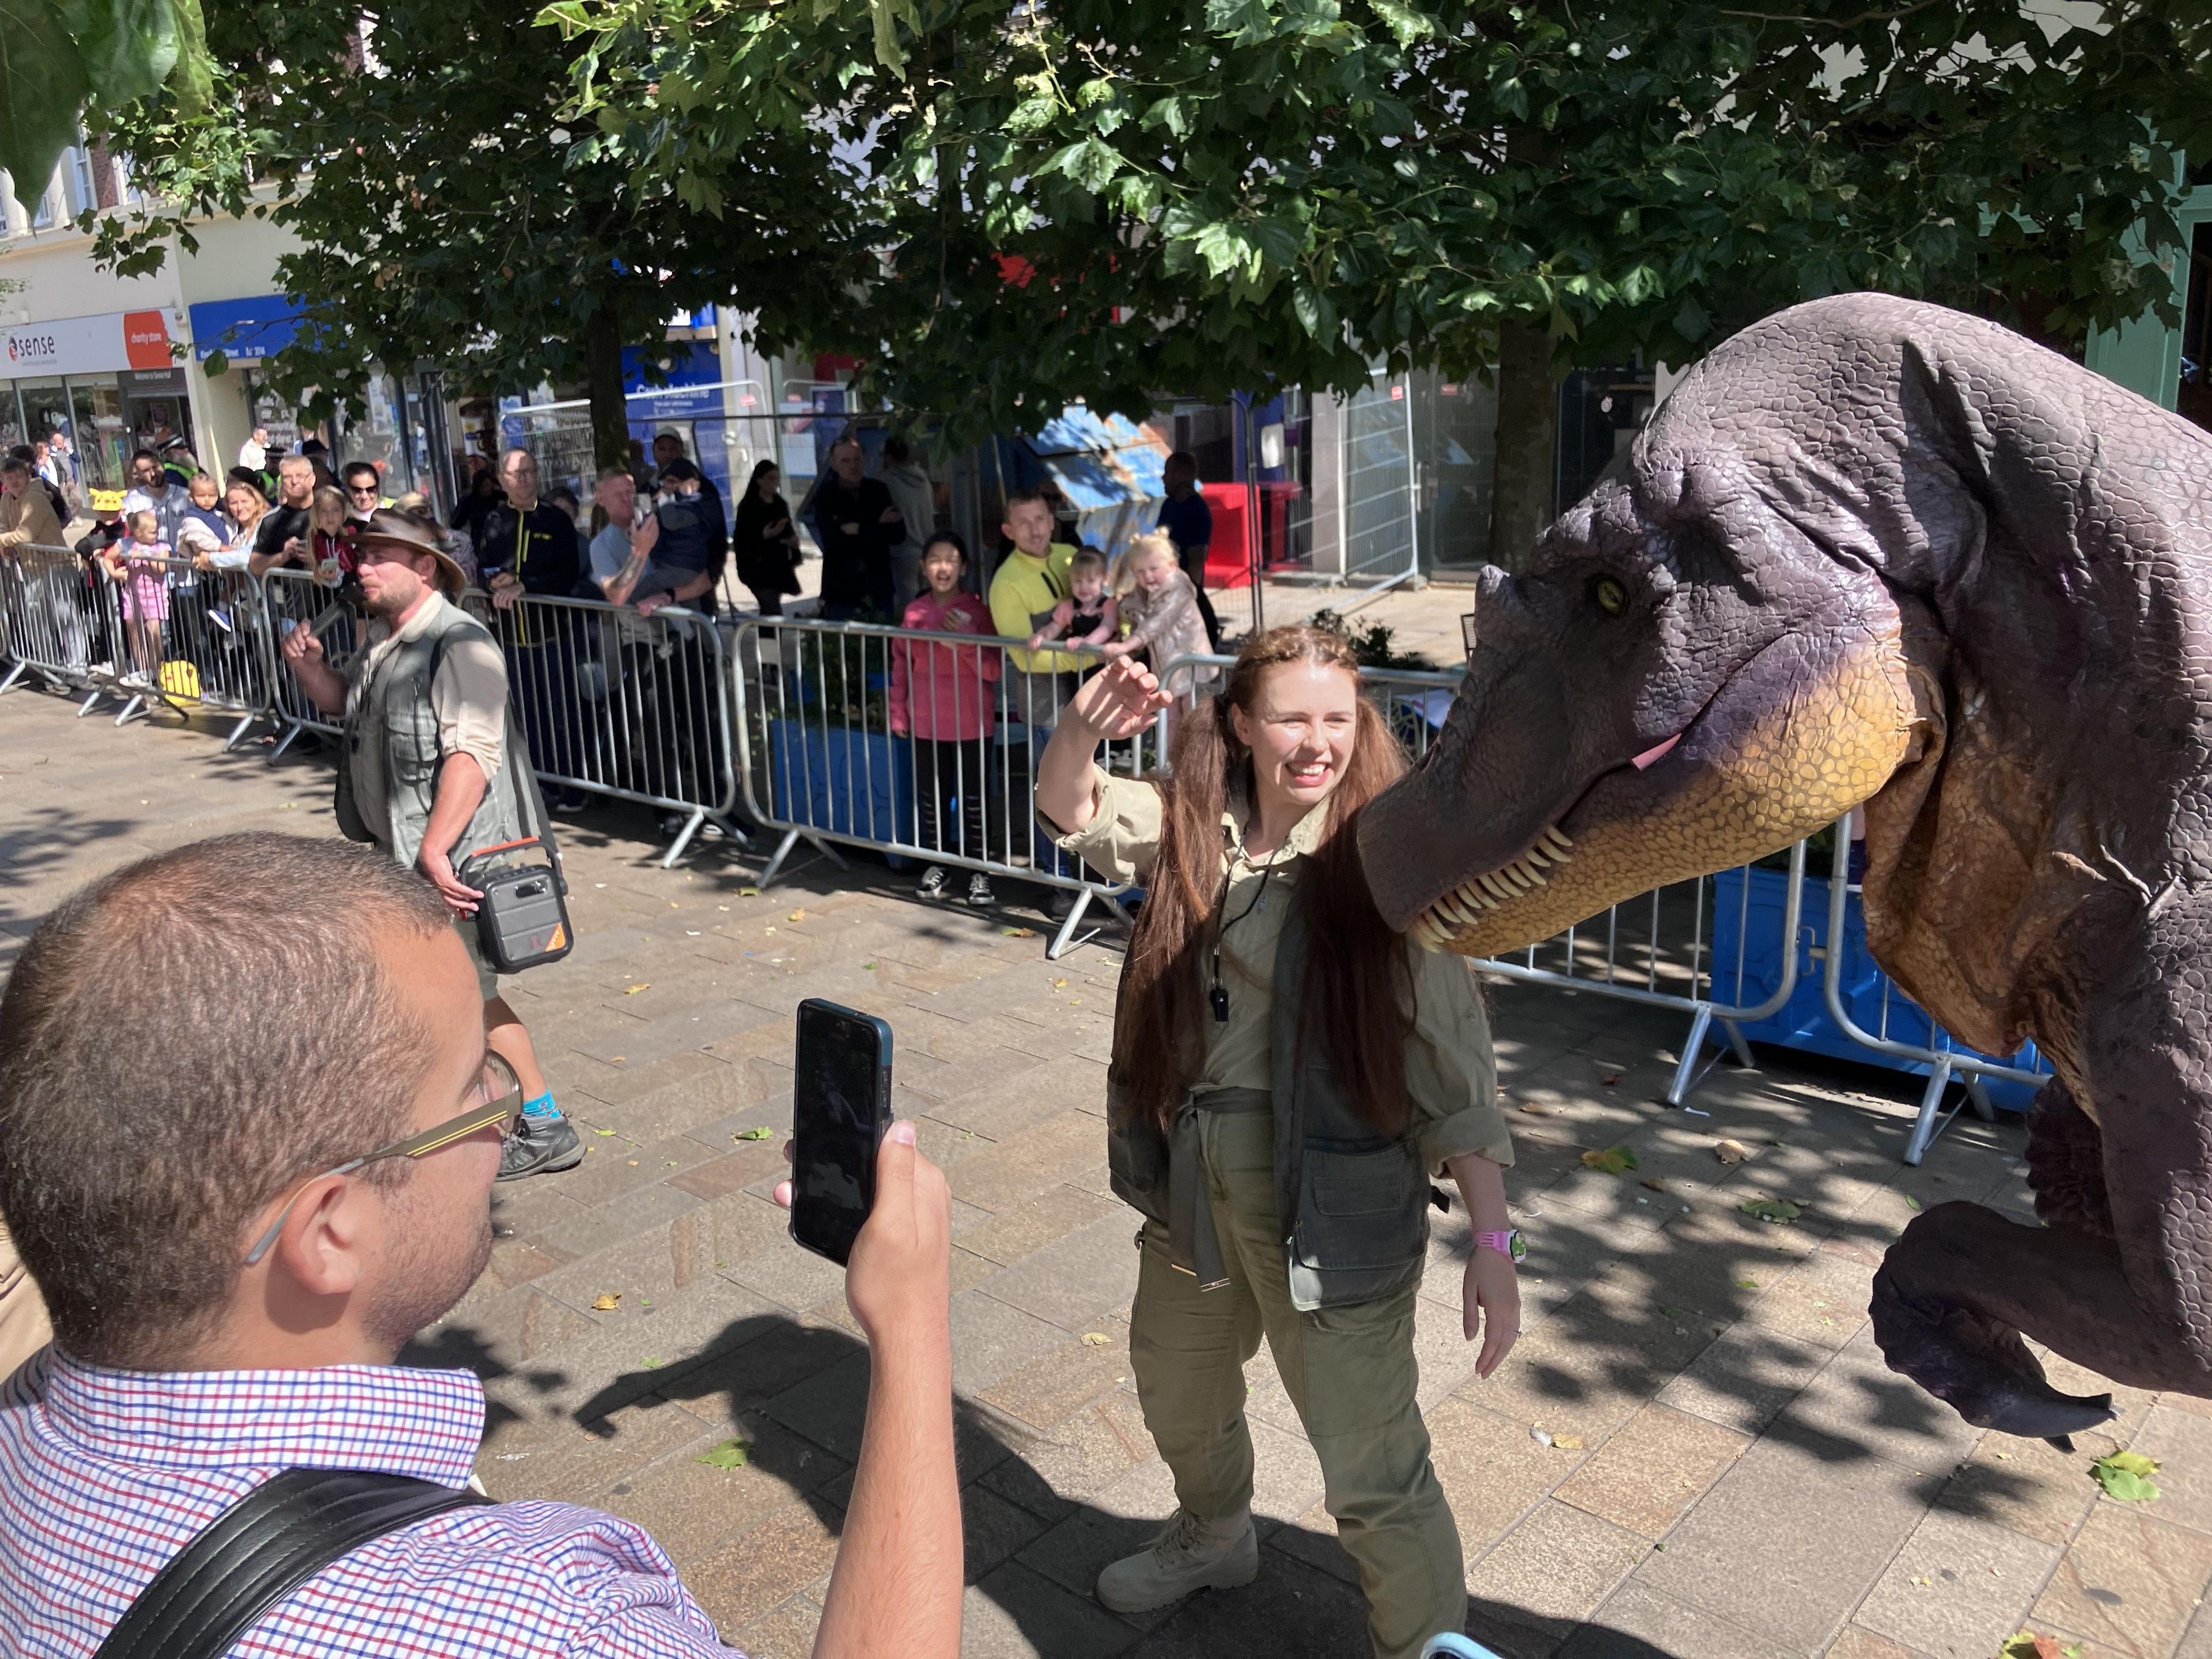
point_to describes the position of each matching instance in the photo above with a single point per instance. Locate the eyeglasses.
(496, 1097)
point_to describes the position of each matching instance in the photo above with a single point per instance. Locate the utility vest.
(388, 711)
(1354, 1204)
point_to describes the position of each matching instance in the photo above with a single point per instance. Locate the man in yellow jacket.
(1037, 684)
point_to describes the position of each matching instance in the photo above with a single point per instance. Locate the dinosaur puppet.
(1875, 552)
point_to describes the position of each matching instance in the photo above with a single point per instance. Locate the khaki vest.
(389, 710)
(1354, 1204)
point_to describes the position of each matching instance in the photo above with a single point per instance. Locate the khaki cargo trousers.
(1349, 1372)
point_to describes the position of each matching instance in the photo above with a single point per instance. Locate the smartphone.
(840, 1111)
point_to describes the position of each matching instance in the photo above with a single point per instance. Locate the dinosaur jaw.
(1772, 758)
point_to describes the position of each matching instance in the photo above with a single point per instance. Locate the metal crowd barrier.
(618, 703)
(1940, 1054)
(818, 757)
(294, 598)
(67, 620)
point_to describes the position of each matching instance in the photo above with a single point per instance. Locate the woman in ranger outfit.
(1276, 1110)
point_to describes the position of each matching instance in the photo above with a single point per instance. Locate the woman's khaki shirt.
(1451, 1076)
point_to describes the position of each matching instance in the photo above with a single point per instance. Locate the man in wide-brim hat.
(431, 768)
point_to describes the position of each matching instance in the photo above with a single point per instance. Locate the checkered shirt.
(104, 1475)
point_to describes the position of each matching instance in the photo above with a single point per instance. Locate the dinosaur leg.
(2122, 1281)
(2066, 1163)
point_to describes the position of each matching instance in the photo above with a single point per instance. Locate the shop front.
(109, 384)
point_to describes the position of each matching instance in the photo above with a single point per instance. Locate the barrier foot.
(136, 707)
(1060, 945)
(683, 837)
(238, 731)
(92, 696)
(1688, 1070)
(1933, 1119)
(1977, 1096)
(13, 674)
(775, 861)
(291, 737)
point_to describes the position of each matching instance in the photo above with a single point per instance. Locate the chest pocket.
(1364, 1206)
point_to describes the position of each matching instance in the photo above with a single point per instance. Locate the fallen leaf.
(730, 1455)
(796, 916)
(671, 904)
(652, 1362)
(1019, 933)
(1655, 1183)
(602, 1131)
(1780, 1211)
(1612, 1160)
(617, 1059)
(1747, 1284)
(1060, 985)
(2127, 1476)
(1541, 1437)
(1537, 1108)
(633, 990)
(1095, 1339)
(758, 1132)
(1567, 1442)
(1910, 1202)
(721, 907)
(606, 1301)
(748, 892)
(2027, 1645)
(1731, 1152)
(868, 967)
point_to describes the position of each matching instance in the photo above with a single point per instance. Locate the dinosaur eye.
(1610, 595)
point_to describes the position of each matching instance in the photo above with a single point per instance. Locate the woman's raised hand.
(1120, 701)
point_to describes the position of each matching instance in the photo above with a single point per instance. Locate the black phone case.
(881, 1106)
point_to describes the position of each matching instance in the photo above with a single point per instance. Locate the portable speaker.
(522, 919)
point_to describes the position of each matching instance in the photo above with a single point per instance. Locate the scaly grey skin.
(1875, 551)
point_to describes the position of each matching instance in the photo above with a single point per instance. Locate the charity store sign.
(114, 340)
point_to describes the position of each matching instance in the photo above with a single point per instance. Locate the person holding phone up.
(1288, 1075)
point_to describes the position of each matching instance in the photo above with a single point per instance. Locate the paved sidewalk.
(1725, 1469)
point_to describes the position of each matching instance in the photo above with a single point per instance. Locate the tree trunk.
(1528, 433)
(603, 373)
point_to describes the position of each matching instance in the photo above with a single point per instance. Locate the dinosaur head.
(1695, 671)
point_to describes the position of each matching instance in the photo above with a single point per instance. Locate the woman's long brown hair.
(1358, 985)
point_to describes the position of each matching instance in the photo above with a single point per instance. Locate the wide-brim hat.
(388, 525)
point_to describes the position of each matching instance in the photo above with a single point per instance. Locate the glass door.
(103, 439)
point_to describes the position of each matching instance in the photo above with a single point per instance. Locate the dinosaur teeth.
(1428, 933)
(1497, 889)
(1532, 856)
(1528, 872)
(1470, 898)
(1552, 837)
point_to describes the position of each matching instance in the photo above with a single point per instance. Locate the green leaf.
(2127, 1476)
(885, 16)
(758, 1132)
(42, 85)
(128, 47)
(1404, 21)
(1613, 1160)
(730, 1455)
(1780, 1211)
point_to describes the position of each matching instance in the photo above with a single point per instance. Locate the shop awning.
(243, 331)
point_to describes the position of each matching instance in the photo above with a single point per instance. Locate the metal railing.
(918, 745)
(294, 599)
(1940, 1054)
(620, 702)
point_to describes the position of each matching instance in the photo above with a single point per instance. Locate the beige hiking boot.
(1189, 1554)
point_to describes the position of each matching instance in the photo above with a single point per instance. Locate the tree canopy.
(447, 216)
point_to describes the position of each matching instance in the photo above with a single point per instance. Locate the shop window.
(1600, 411)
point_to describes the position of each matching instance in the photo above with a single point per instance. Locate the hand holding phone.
(840, 1111)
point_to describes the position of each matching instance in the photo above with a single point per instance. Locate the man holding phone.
(231, 1307)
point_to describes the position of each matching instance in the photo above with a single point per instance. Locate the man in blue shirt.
(1188, 522)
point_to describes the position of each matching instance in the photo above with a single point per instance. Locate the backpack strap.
(261, 1549)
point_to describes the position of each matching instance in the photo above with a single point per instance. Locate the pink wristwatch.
(1509, 1243)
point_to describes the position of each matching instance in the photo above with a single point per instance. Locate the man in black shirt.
(282, 536)
(528, 546)
(858, 525)
(666, 448)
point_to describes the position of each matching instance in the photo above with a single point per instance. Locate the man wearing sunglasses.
(237, 1226)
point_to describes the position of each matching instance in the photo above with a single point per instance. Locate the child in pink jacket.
(940, 699)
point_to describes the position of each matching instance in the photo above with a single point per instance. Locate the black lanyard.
(1217, 996)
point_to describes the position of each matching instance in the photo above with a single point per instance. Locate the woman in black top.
(766, 545)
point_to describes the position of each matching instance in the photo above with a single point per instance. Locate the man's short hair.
(849, 441)
(307, 461)
(1027, 498)
(511, 452)
(21, 453)
(180, 1042)
(1182, 461)
(14, 466)
(145, 455)
(353, 469)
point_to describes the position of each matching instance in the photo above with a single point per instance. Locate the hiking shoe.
(539, 1145)
(979, 890)
(1189, 1554)
(933, 883)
